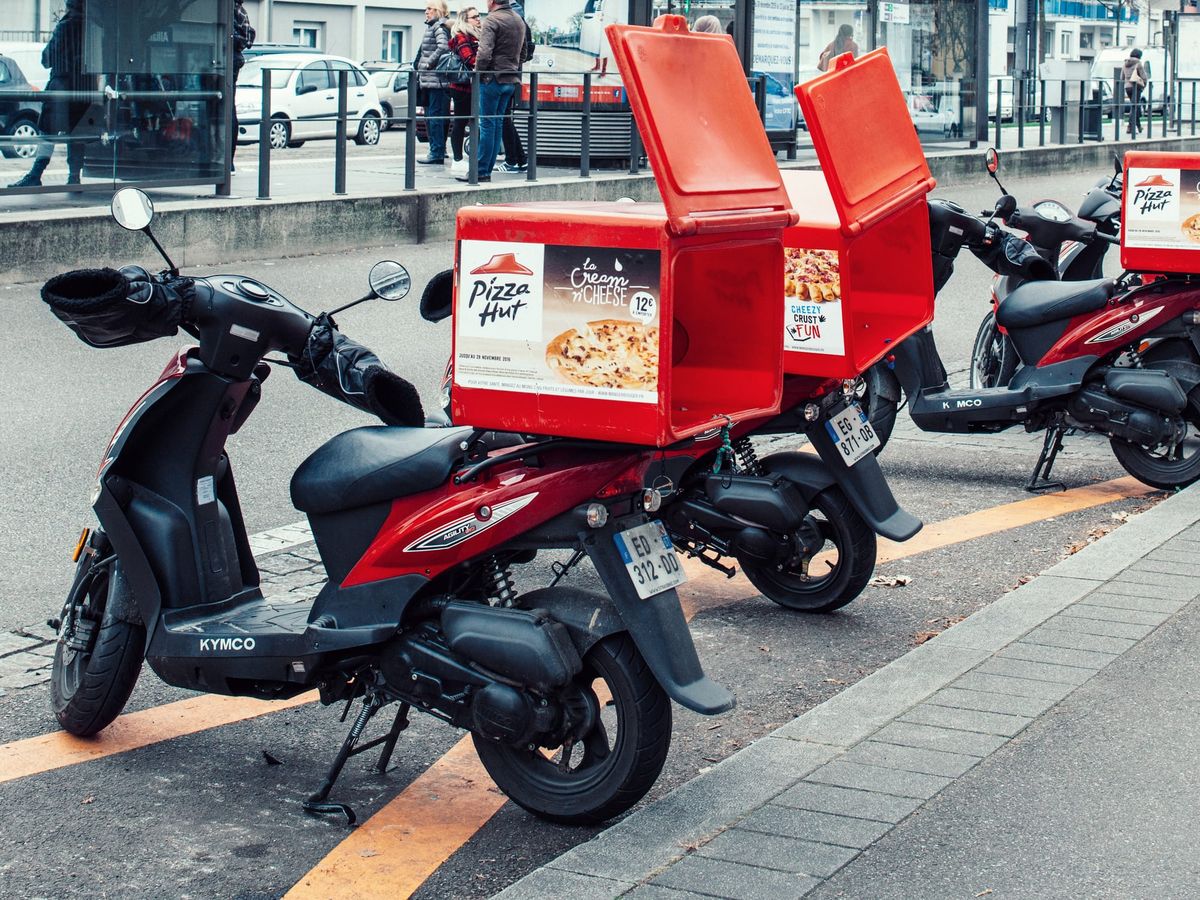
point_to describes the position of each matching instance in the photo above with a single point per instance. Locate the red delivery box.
(643, 323)
(1160, 224)
(858, 276)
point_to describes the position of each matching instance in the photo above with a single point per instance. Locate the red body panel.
(175, 368)
(1154, 305)
(453, 512)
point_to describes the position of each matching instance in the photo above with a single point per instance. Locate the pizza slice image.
(607, 353)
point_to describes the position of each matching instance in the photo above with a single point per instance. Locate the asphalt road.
(205, 814)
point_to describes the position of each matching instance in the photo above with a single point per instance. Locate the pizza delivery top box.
(641, 323)
(1160, 221)
(858, 276)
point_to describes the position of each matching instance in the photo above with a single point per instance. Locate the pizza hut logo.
(500, 289)
(1152, 194)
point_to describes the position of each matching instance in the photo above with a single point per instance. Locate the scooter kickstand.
(389, 742)
(1040, 480)
(318, 803)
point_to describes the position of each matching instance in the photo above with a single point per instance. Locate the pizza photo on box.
(1191, 228)
(607, 353)
(811, 275)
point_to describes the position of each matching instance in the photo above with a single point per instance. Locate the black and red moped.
(566, 692)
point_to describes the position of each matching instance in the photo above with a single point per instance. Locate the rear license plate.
(649, 558)
(852, 432)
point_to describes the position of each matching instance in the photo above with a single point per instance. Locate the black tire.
(22, 129)
(847, 536)
(368, 131)
(1152, 465)
(280, 134)
(993, 357)
(870, 389)
(89, 688)
(387, 116)
(595, 788)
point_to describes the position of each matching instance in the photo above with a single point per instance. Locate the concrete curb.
(214, 231)
(779, 816)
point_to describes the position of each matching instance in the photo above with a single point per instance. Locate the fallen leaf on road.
(834, 681)
(984, 892)
(922, 636)
(367, 854)
(86, 800)
(765, 649)
(889, 581)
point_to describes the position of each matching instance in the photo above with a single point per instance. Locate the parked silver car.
(391, 81)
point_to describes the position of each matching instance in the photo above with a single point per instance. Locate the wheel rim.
(581, 765)
(279, 135)
(808, 574)
(1180, 460)
(25, 132)
(73, 664)
(370, 128)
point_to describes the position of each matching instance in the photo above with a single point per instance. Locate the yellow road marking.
(47, 752)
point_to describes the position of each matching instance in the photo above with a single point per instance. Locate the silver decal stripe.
(1123, 328)
(467, 527)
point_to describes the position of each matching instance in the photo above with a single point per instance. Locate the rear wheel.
(98, 657)
(993, 358)
(368, 131)
(610, 767)
(872, 390)
(1178, 465)
(280, 134)
(831, 577)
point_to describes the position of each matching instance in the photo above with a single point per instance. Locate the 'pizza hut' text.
(498, 301)
(1152, 199)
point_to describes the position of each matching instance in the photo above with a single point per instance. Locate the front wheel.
(24, 143)
(611, 766)
(98, 657)
(993, 357)
(832, 576)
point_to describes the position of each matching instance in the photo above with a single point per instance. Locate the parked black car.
(18, 114)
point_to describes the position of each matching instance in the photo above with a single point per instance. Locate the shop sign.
(896, 13)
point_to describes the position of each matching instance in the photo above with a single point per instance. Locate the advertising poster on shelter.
(812, 302)
(1162, 209)
(550, 319)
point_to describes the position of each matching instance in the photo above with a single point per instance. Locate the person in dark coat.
(243, 40)
(501, 52)
(63, 56)
(434, 45)
(1134, 76)
(514, 150)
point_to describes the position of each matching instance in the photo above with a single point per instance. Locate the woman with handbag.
(464, 44)
(843, 43)
(1133, 73)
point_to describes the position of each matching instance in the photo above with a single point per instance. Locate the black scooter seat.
(1037, 302)
(373, 464)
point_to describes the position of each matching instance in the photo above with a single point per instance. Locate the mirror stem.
(174, 269)
(370, 296)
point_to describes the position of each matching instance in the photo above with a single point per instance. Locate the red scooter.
(1085, 364)
(564, 691)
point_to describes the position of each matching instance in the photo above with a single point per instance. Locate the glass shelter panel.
(118, 90)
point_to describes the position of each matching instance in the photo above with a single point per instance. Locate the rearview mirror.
(305, 89)
(992, 160)
(132, 209)
(389, 280)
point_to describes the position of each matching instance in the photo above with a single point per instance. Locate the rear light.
(631, 481)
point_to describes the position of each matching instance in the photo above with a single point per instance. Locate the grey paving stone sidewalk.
(777, 819)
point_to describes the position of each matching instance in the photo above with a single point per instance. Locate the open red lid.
(702, 132)
(865, 139)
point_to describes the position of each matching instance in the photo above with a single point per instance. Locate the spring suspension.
(1135, 356)
(499, 575)
(747, 459)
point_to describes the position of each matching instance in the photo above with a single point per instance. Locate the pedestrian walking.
(434, 45)
(243, 40)
(843, 43)
(501, 48)
(63, 56)
(514, 150)
(464, 43)
(1133, 74)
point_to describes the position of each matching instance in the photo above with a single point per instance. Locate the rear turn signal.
(79, 546)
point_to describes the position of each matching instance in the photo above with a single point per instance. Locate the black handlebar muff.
(105, 308)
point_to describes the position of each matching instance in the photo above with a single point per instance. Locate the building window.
(393, 44)
(309, 34)
(1065, 43)
(1085, 40)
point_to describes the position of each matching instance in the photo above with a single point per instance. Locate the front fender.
(657, 627)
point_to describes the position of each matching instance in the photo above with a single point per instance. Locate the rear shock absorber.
(747, 459)
(499, 577)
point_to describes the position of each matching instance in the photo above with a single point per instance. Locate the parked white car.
(304, 100)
